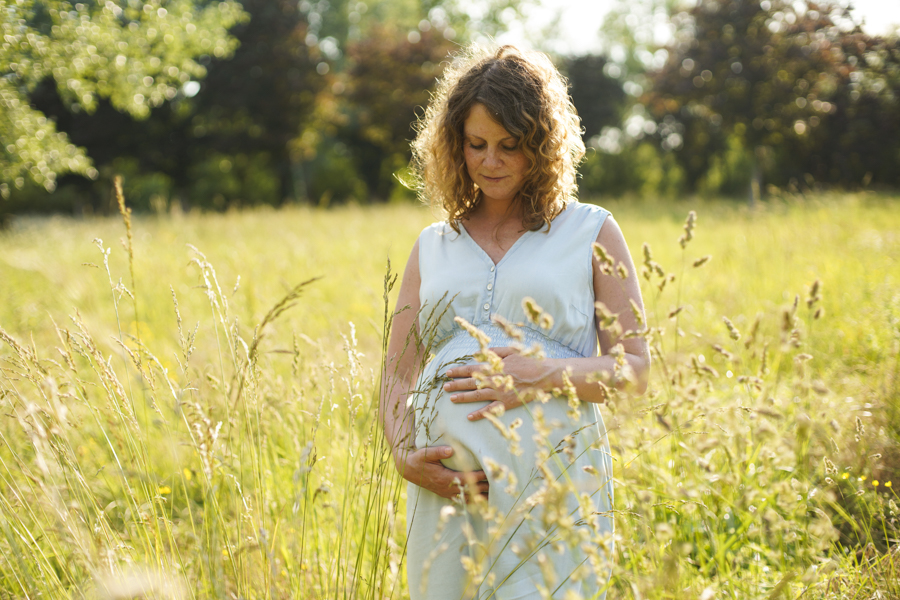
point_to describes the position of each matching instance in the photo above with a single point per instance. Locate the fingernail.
(448, 452)
(447, 387)
(454, 398)
(471, 417)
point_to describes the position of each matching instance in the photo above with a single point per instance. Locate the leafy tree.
(299, 109)
(598, 97)
(136, 54)
(389, 58)
(772, 79)
(388, 80)
(256, 102)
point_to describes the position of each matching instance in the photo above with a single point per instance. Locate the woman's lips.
(493, 179)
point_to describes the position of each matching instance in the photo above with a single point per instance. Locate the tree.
(598, 97)
(256, 102)
(389, 78)
(135, 54)
(773, 80)
(298, 108)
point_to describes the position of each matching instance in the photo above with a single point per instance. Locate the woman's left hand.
(526, 375)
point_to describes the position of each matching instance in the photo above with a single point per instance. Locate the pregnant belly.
(440, 422)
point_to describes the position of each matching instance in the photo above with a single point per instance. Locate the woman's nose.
(492, 159)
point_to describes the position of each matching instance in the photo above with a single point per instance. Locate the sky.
(580, 20)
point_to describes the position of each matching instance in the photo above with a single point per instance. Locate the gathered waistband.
(460, 341)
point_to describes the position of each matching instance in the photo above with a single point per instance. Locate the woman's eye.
(511, 148)
(476, 146)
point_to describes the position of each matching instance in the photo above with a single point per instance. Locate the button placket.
(490, 293)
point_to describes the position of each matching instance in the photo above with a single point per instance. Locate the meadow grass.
(201, 422)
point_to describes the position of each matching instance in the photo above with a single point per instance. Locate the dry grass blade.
(282, 306)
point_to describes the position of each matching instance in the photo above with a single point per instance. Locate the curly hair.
(525, 94)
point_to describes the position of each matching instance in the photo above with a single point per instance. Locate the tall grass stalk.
(162, 447)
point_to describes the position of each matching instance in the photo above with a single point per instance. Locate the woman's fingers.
(463, 371)
(475, 485)
(435, 454)
(479, 414)
(503, 351)
(482, 395)
(462, 384)
(469, 370)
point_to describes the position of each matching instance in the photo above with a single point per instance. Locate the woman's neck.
(494, 214)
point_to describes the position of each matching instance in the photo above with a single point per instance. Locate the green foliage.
(135, 54)
(598, 97)
(333, 177)
(729, 171)
(235, 180)
(797, 82)
(386, 84)
(638, 169)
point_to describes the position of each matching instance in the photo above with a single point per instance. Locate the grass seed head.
(732, 330)
(535, 314)
(689, 225)
(702, 260)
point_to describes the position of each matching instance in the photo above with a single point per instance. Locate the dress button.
(492, 269)
(490, 286)
(487, 306)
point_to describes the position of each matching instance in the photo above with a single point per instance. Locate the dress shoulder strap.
(578, 226)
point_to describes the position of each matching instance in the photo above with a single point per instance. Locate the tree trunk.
(755, 177)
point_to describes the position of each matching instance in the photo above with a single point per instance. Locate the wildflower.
(165, 490)
(845, 476)
(887, 484)
(862, 478)
(187, 474)
(874, 483)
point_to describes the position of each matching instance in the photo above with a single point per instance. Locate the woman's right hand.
(423, 467)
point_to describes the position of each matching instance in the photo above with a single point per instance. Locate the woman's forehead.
(480, 122)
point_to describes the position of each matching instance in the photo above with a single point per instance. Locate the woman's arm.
(420, 466)
(529, 373)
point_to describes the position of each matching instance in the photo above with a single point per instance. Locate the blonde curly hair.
(525, 94)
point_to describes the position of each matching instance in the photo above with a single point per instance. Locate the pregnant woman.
(493, 379)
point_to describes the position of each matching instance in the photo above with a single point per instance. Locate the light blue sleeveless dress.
(553, 266)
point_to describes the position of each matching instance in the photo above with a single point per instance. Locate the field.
(181, 418)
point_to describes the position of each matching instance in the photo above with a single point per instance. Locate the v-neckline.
(509, 251)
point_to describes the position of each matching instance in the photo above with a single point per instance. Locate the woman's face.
(494, 159)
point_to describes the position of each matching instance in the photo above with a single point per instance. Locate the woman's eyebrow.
(509, 137)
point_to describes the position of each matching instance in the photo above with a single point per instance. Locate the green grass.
(201, 454)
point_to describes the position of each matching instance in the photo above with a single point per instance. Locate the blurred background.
(218, 105)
